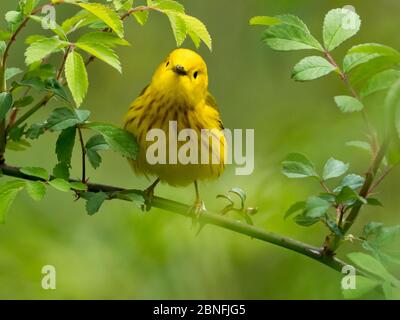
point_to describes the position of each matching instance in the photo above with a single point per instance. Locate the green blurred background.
(122, 253)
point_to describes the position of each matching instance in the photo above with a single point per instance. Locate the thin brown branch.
(61, 69)
(83, 152)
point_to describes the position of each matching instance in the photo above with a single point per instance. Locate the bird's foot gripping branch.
(337, 207)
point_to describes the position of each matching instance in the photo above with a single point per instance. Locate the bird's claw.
(195, 212)
(197, 209)
(148, 195)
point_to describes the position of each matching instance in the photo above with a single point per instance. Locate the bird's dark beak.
(179, 70)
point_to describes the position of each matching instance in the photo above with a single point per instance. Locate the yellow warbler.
(178, 93)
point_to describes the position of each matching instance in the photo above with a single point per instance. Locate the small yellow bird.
(178, 92)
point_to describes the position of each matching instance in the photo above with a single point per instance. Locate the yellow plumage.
(178, 92)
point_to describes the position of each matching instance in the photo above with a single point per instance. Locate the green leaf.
(372, 228)
(378, 63)
(12, 72)
(363, 145)
(334, 168)
(305, 221)
(94, 158)
(118, 139)
(82, 115)
(14, 19)
(103, 38)
(61, 170)
(23, 102)
(347, 195)
(121, 4)
(33, 38)
(383, 236)
(60, 184)
(178, 26)
(348, 104)
(42, 48)
(370, 264)
(95, 201)
(374, 202)
(56, 28)
(36, 189)
(290, 34)
(79, 20)
(311, 68)
(339, 25)
(141, 16)
(93, 145)
(8, 192)
(363, 286)
(105, 14)
(35, 130)
(63, 118)
(34, 83)
(76, 75)
(65, 145)
(297, 165)
(316, 207)
(168, 5)
(97, 143)
(5, 104)
(42, 71)
(54, 86)
(27, 6)
(264, 21)
(380, 82)
(35, 172)
(352, 181)
(16, 133)
(80, 186)
(295, 208)
(197, 28)
(183, 25)
(364, 53)
(101, 52)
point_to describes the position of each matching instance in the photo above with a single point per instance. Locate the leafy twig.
(18, 30)
(208, 217)
(354, 93)
(370, 175)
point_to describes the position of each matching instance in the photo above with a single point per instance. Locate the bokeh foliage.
(121, 253)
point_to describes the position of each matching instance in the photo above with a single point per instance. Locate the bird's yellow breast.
(155, 109)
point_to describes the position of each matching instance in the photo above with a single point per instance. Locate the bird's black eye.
(167, 64)
(195, 74)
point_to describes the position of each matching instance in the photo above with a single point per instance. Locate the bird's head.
(182, 74)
